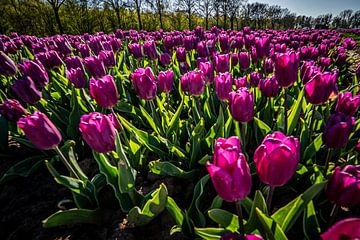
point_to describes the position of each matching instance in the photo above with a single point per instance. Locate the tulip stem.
(269, 197)
(312, 121)
(66, 163)
(285, 110)
(328, 157)
(242, 133)
(240, 216)
(333, 213)
(167, 102)
(120, 126)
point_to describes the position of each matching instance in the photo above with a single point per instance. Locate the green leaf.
(259, 202)
(295, 113)
(194, 211)
(151, 209)
(74, 117)
(74, 216)
(217, 130)
(150, 120)
(313, 148)
(169, 169)
(197, 136)
(210, 233)
(175, 211)
(287, 215)
(175, 119)
(264, 128)
(272, 229)
(226, 219)
(311, 226)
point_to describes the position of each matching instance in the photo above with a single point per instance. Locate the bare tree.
(159, 7)
(116, 5)
(206, 8)
(55, 5)
(187, 6)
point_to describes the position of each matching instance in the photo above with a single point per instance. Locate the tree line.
(49, 17)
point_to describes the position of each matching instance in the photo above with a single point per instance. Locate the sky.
(314, 7)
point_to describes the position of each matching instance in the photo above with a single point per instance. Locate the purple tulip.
(345, 229)
(208, 70)
(229, 171)
(76, 77)
(224, 43)
(320, 88)
(143, 81)
(164, 59)
(84, 50)
(108, 58)
(223, 85)
(244, 60)
(150, 50)
(241, 105)
(98, 132)
(193, 82)
(40, 131)
(341, 60)
(344, 186)
(166, 81)
(49, 59)
(222, 63)
(26, 90)
(95, 66)
(286, 69)
(234, 59)
(114, 122)
(12, 110)
(184, 67)
(308, 71)
(202, 49)
(136, 50)
(36, 71)
(7, 66)
(269, 87)
(262, 47)
(347, 104)
(235, 236)
(337, 130)
(276, 158)
(115, 44)
(349, 43)
(189, 42)
(241, 82)
(325, 62)
(104, 91)
(181, 54)
(254, 79)
(73, 62)
(268, 66)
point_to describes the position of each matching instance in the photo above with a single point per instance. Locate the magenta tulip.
(12, 110)
(241, 105)
(166, 81)
(7, 65)
(222, 63)
(76, 77)
(241, 82)
(319, 89)
(244, 60)
(95, 66)
(36, 71)
(347, 103)
(143, 81)
(347, 229)
(337, 130)
(269, 87)
(208, 70)
(286, 68)
(26, 90)
(104, 91)
(223, 85)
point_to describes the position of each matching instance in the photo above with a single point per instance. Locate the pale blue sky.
(314, 7)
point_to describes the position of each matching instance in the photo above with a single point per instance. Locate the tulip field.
(218, 134)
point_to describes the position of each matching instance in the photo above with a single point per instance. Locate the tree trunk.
(138, 14)
(57, 19)
(232, 23)
(189, 18)
(117, 12)
(207, 22)
(160, 18)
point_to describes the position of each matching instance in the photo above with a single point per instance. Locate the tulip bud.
(202, 49)
(269, 87)
(188, 43)
(84, 50)
(262, 47)
(345, 229)
(222, 63)
(12, 110)
(337, 130)
(150, 50)
(181, 54)
(114, 121)
(36, 71)
(286, 69)
(268, 66)
(73, 62)
(26, 90)
(241, 105)
(104, 91)
(234, 59)
(241, 82)
(115, 44)
(344, 185)
(229, 171)
(165, 59)
(276, 159)
(244, 60)
(208, 70)
(223, 85)
(40, 131)
(224, 43)
(347, 104)
(254, 79)
(325, 62)
(143, 81)
(7, 66)
(166, 81)
(136, 50)
(98, 132)
(95, 66)
(77, 77)
(193, 82)
(320, 87)
(108, 58)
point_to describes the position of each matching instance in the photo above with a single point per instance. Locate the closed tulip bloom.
(269, 87)
(341, 60)
(254, 56)
(343, 187)
(262, 47)
(202, 49)
(234, 59)
(115, 44)
(7, 66)
(184, 67)
(40, 131)
(337, 130)
(222, 63)
(241, 82)
(136, 50)
(12, 110)
(223, 85)
(286, 68)
(164, 59)
(325, 62)
(189, 42)
(108, 58)
(84, 50)
(235, 236)
(98, 132)
(73, 62)
(208, 71)
(229, 172)
(143, 81)
(309, 73)
(166, 81)
(26, 90)
(347, 103)
(196, 83)
(244, 60)
(268, 66)
(224, 42)
(319, 89)
(76, 77)
(181, 54)
(348, 228)
(104, 91)
(54, 59)
(276, 159)
(241, 105)
(95, 66)
(150, 50)
(254, 79)
(114, 122)
(36, 71)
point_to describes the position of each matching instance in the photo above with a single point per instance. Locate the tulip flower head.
(104, 91)
(348, 228)
(337, 130)
(241, 105)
